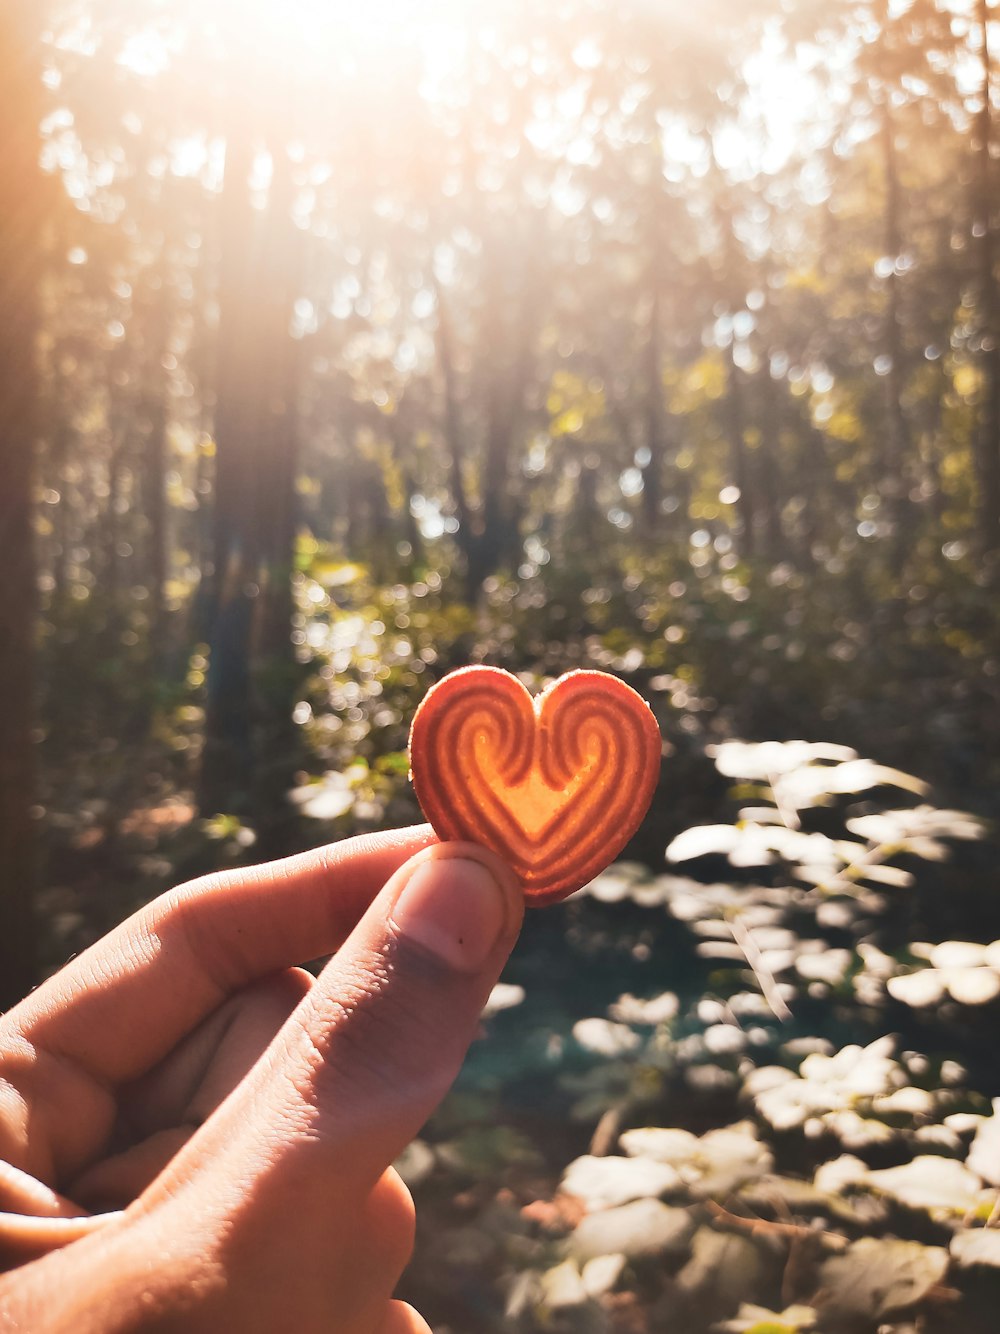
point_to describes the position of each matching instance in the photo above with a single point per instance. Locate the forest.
(346, 345)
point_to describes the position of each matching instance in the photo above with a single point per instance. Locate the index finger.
(122, 1005)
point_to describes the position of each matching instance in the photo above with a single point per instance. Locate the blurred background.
(343, 345)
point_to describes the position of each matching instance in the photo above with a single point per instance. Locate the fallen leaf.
(636, 1230)
(939, 1185)
(603, 1183)
(877, 1275)
(976, 1246)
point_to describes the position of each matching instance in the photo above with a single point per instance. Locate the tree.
(247, 761)
(985, 232)
(22, 213)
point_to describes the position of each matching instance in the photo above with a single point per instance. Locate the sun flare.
(338, 38)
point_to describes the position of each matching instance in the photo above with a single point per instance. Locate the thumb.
(288, 1177)
(377, 1043)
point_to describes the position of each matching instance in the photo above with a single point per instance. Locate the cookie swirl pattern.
(556, 785)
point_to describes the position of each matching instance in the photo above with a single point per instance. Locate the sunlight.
(349, 38)
(351, 343)
(376, 42)
(369, 52)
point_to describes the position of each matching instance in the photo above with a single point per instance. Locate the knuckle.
(369, 1048)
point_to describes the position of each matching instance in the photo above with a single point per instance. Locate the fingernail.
(453, 907)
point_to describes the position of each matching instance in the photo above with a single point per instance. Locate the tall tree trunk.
(60, 438)
(495, 544)
(494, 540)
(348, 498)
(896, 457)
(111, 525)
(249, 735)
(276, 673)
(22, 212)
(655, 434)
(401, 434)
(471, 525)
(156, 338)
(739, 456)
(733, 407)
(109, 517)
(227, 761)
(768, 461)
(203, 367)
(984, 226)
(454, 441)
(657, 241)
(505, 396)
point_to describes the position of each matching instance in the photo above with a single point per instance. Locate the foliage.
(860, 1183)
(560, 335)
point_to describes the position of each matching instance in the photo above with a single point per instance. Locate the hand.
(233, 1119)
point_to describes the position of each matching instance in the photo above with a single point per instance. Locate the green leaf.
(395, 762)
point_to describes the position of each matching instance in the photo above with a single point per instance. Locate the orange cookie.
(556, 785)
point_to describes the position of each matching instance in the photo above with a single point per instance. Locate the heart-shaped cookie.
(556, 785)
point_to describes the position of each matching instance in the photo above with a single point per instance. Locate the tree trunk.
(897, 452)
(733, 406)
(655, 417)
(227, 761)
(505, 396)
(984, 226)
(769, 462)
(401, 436)
(276, 673)
(471, 524)
(156, 338)
(453, 424)
(739, 458)
(59, 449)
(110, 523)
(250, 739)
(22, 211)
(495, 544)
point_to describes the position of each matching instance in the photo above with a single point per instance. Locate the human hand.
(237, 1117)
